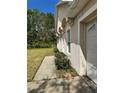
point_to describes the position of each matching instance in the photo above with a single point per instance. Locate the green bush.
(40, 44)
(45, 45)
(61, 61)
(60, 55)
(55, 49)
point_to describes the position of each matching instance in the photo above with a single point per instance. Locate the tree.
(40, 28)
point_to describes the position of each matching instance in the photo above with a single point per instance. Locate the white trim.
(66, 0)
(91, 10)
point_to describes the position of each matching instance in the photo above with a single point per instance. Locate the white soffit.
(66, 0)
(76, 6)
(60, 3)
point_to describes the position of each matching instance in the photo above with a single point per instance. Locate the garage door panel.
(91, 40)
(91, 48)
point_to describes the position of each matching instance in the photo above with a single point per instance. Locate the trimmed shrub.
(61, 61)
(60, 55)
(62, 64)
(55, 49)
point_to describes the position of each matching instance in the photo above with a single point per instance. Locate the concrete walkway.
(72, 85)
(47, 69)
(46, 81)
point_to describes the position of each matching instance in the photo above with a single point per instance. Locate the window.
(69, 41)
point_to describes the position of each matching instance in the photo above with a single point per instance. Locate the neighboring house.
(76, 27)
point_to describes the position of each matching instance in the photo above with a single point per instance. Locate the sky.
(42, 5)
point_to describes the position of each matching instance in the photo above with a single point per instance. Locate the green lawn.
(34, 59)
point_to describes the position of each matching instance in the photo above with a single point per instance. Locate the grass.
(34, 59)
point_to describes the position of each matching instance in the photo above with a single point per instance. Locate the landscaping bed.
(66, 73)
(63, 65)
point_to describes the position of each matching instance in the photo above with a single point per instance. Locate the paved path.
(45, 81)
(72, 85)
(47, 69)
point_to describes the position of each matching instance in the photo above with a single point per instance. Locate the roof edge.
(61, 3)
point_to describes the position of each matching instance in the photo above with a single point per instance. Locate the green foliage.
(61, 61)
(40, 44)
(63, 65)
(60, 55)
(55, 49)
(40, 29)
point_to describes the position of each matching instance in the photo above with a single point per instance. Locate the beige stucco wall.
(61, 11)
(76, 56)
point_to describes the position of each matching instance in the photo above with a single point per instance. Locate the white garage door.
(91, 48)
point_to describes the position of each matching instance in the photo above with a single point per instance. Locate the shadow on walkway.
(75, 85)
